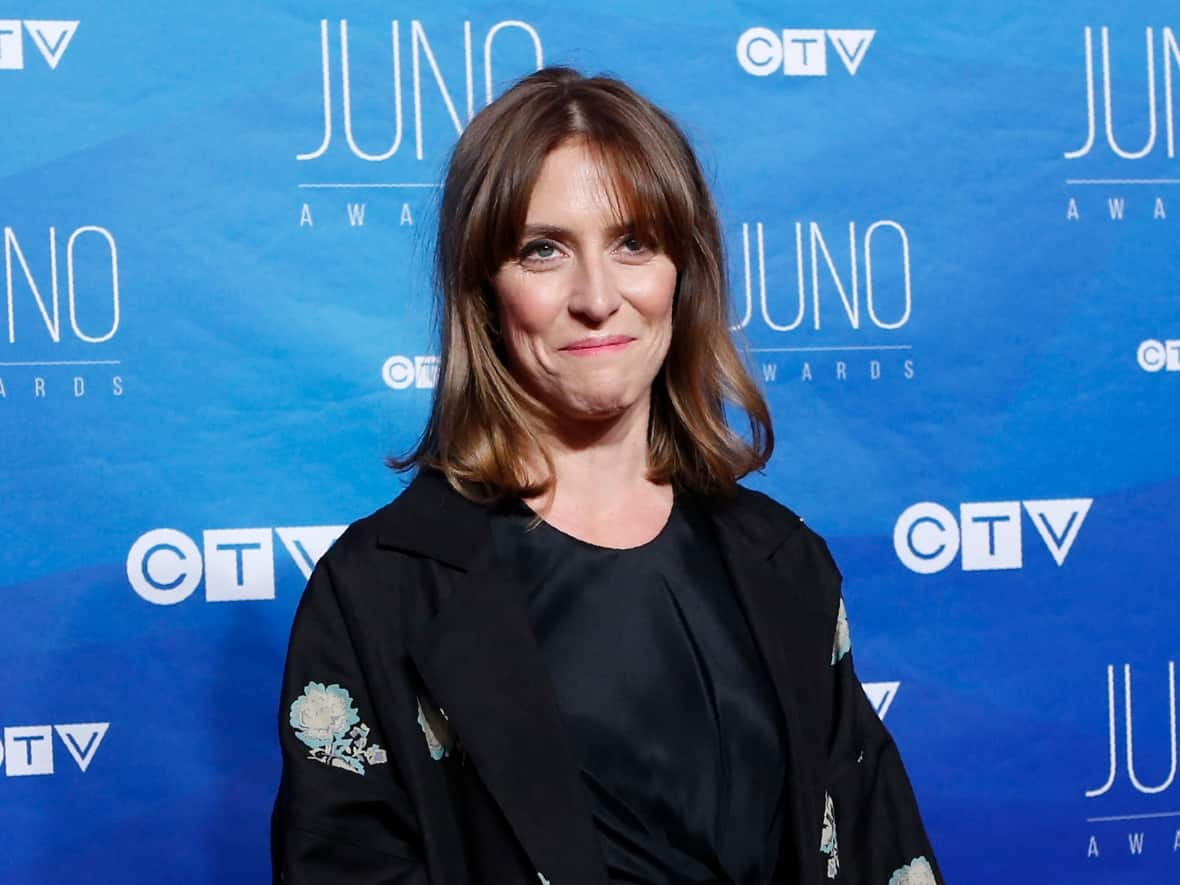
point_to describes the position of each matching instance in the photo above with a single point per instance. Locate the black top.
(672, 714)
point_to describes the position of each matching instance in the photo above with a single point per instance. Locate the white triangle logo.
(52, 38)
(82, 740)
(1058, 522)
(881, 695)
(852, 46)
(308, 543)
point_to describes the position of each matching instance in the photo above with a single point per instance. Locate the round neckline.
(590, 545)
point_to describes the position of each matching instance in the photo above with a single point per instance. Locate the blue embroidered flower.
(842, 642)
(827, 839)
(322, 714)
(322, 717)
(916, 872)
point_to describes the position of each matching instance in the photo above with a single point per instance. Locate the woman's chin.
(593, 409)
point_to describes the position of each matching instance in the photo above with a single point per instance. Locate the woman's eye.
(633, 246)
(542, 250)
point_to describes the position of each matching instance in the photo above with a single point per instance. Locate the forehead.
(574, 183)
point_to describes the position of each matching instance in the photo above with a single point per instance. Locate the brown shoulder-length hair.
(483, 422)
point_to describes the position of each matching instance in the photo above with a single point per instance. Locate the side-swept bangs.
(651, 186)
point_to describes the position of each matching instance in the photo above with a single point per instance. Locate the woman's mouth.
(601, 344)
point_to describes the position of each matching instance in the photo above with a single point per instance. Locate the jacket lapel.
(791, 635)
(481, 662)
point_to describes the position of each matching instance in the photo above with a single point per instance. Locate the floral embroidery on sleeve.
(916, 872)
(827, 840)
(842, 642)
(325, 719)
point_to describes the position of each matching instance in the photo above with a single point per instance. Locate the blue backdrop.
(953, 240)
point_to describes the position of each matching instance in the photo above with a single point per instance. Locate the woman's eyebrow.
(546, 230)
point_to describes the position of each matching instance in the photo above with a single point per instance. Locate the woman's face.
(585, 305)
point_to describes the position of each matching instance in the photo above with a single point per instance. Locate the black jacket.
(422, 742)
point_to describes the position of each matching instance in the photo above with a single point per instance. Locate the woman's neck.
(601, 491)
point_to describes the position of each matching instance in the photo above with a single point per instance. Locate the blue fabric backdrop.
(953, 239)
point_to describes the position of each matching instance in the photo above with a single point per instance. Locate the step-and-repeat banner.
(954, 247)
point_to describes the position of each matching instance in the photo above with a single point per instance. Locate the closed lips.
(591, 343)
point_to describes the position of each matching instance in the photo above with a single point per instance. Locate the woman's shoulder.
(427, 518)
(386, 572)
(795, 543)
(758, 513)
(765, 506)
(359, 540)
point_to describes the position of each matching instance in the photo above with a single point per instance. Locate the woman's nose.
(594, 293)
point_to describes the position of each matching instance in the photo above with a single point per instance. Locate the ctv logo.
(28, 749)
(165, 566)
(927, 537)
(401, 372)
(881, 695)
(1159, 356)
(800, 53)
(50, 37)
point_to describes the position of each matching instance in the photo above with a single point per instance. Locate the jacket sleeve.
(872, 830)
(341, 815)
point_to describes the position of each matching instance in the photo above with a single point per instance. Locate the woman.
(574, 649)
